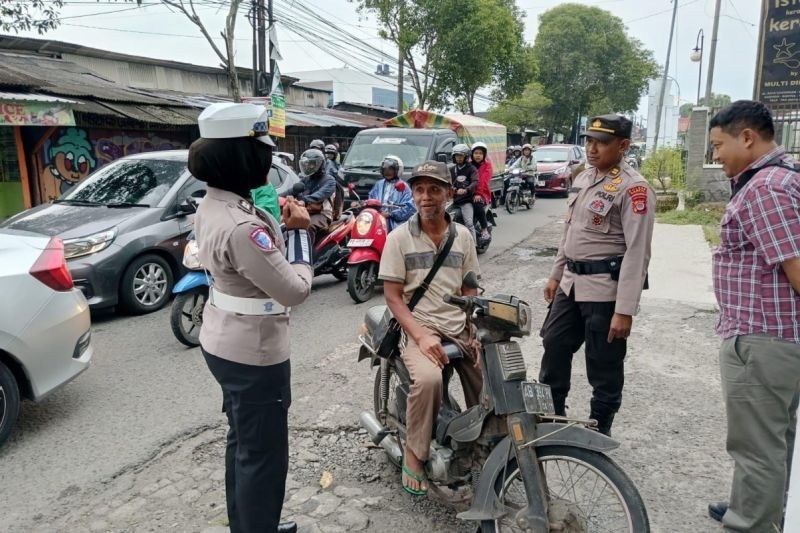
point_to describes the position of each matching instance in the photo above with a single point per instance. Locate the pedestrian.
(245, 335)
(756, 272)
(600, 271)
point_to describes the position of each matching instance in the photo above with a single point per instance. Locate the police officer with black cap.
(600, 271)
(258, 273)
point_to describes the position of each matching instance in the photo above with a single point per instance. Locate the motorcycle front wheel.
(186, 315)
(361, 279)
(587, 492)
(512, 202)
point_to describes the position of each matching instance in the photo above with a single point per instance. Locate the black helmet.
(331, 149)
(318, 145)
(311, 162)
(461, 149)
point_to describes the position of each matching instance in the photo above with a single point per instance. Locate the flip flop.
(416, 477)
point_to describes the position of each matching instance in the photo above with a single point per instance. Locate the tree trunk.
(233, 76)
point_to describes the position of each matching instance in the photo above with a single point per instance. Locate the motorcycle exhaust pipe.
(380, 435)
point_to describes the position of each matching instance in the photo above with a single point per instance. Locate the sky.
(154, 31)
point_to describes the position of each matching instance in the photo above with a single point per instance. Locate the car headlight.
(363, 223)
(562, 170)
(90, 244)
(191, 259)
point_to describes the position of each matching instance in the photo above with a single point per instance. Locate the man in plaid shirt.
(757, 285)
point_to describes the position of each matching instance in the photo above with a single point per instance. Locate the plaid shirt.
(760, 229)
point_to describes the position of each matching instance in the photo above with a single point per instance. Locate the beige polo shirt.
(408, 257)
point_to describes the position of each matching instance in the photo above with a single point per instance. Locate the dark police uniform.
(602, 268)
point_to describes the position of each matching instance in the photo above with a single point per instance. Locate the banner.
(16, 113)
(277, 119)
(778, 74)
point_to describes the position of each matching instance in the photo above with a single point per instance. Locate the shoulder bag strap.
(420, 292)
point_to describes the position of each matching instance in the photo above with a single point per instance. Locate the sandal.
(419, 478)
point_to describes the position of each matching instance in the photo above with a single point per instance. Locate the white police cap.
(226, 120)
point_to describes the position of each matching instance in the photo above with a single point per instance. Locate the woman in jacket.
(483, 194)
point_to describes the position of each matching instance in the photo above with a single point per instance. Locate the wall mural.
(71, 154)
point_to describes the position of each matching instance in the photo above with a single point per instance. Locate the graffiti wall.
(71, 154)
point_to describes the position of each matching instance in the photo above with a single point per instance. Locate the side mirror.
(200, 193)
(471, 281)
(298, 189)
(442, 158)
(187, 207)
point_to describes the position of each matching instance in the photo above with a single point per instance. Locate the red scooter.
(367, 239)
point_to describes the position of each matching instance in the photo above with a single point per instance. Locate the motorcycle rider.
(527, 166)
(407, 258)
(516, 153)
(332, 154)
(465, 183)
(320, 190)
(483, 193)
(391, 189)
(509, 155)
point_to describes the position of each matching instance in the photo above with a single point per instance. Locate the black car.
(124, 228)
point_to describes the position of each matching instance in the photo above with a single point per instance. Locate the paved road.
(144, 390)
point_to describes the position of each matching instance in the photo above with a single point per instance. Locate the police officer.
(599, 272)
(258, 274)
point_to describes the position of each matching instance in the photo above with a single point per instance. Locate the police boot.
(560, 406)
(287, 527)
(604, 421)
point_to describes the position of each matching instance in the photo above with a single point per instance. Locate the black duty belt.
(611, 265)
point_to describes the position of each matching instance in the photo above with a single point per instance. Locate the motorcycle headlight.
(561, 170)
(89, 245)
(191, 258)
(525, 319)
(364, 223)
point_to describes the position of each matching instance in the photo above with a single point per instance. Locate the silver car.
(45, 336)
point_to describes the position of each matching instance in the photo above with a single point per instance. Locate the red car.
(556, 166)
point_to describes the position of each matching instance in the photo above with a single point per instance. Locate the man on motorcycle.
(409, 255)
(465, 183)
(319, 192)
(527, 166)
(393, 190)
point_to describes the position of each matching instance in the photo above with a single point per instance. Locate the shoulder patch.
(638, 196)
(261, 239)
(245, 206)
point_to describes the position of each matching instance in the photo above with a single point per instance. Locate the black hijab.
(237, 165)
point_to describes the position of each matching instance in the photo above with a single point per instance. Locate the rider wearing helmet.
(319, 192)
(483, 194)
(317, 144)
(393, 190)
(527, 166)
(465, 182)
(333, 165)
(516, 153)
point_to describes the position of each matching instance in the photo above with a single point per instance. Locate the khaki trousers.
(760, 387)
(425, 396)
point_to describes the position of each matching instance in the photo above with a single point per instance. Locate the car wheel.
(567, 186)
(146, 285)
(9, 402)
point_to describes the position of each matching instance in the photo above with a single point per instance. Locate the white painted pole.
(792, 519)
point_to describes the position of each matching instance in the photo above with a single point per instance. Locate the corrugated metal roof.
(152, 113)
(34, 97)
(326, 118)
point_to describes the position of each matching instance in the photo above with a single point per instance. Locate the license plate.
(355, 243)
(541, 183)
(538, 398)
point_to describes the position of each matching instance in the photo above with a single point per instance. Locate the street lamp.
(697, 57)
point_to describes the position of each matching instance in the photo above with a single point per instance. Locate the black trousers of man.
(568, 325)
(256, 400)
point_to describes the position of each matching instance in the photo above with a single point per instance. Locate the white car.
(45, 327)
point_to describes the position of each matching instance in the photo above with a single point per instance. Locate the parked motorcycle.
(483, 243)
(191, 293)
(367, 239)
(520, 191)
(510, 459)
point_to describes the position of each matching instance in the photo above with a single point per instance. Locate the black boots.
(287, 527)
(604, 422)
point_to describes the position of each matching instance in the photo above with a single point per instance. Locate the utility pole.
(272, 62)
(660, 106)
(400, 65)
(262, 48)
(253, 15)
(713, 54)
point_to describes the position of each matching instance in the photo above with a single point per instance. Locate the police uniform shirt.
(608, 215)
(244, 251)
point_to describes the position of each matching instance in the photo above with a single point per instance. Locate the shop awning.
(34, 109)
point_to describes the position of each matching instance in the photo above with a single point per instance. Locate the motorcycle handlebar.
(459, 301)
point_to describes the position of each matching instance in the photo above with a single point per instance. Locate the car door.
(192, 191)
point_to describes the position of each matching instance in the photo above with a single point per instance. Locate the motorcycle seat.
(373, 320)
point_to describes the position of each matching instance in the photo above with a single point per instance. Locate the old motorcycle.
(509, 461)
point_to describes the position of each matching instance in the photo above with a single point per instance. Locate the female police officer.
(257, 274)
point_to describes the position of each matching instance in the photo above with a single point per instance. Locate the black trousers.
(479, 214)
(568, 325)
(256, 400)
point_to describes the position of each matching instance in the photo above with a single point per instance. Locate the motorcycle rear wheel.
(361, 279)
(186, 316)
(583, 469)
(512, 202)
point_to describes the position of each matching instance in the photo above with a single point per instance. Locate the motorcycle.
(191, 293)
(509, 460)
(520, 191)
(482, 243)
(367, 239)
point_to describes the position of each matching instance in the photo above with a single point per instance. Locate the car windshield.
(369, 151)
(142, 182)
(551, 155)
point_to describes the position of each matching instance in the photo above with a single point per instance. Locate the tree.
(525, 111)
(666, 168)
(227, 58)
(483, 44)
(718, 101)
(587, 63)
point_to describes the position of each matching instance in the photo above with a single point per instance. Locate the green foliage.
(665, 168)
(707, 215)
(525, 111)
(718, 101)
(588, 64)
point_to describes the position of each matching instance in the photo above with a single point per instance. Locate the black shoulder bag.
(389, 345)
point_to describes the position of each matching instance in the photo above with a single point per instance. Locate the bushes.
(665, 168)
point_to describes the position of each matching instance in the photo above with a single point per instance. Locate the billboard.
(778, 68)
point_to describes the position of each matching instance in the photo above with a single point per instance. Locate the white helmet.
(225, 120)
(398, 164)
(481, 145)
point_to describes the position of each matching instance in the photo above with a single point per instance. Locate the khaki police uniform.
(407, 258)
(602, 268)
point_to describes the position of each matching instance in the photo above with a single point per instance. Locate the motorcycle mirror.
(298, 189)
(471, 281)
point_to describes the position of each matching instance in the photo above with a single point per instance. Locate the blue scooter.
(191, 293)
